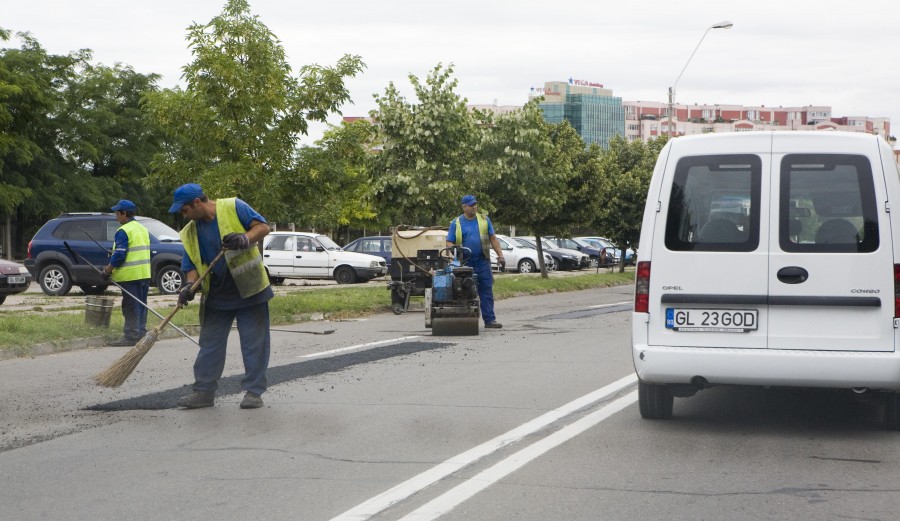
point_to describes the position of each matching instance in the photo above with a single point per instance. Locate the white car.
(301, 255)
(564, 259)
(521, 259)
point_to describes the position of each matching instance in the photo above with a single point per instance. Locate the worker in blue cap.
(235, 290)
(129, 267)
(475, 231)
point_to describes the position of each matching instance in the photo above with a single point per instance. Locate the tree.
(529, 164)
(334, 174)
(235, 126)
(32, 169)
(428, 148)
(626, 170)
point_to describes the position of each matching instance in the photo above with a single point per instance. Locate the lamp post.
(720, 25)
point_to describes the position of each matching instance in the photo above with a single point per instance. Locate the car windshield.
(524, 243)
(547, 246)
(159, 230)
(327, 243)
(582, 243)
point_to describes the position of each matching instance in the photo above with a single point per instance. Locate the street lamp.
(720, 25)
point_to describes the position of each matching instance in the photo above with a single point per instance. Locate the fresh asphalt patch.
(584, 313)
(276, 375)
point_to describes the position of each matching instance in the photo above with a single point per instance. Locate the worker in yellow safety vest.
(235, 290)
(129, 267)
(475, 231)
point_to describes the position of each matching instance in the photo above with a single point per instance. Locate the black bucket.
(98, 310)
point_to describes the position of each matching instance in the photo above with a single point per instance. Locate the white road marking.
(431, 476)
(610, 305)
(451, 499)
(359, 346)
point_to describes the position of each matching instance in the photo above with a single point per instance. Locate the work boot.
(493, 325)
(197, 400)
(122, 342)
(251, 401)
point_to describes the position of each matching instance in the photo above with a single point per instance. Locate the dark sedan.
(14, 278)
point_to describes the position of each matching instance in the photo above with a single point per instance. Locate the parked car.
(14, 278)
(521, 259)
(598, 256)
(302, 255)
(565, 259)
(379, 245)
(630, 254)
(56, 269)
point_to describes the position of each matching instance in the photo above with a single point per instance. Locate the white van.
(769, 259)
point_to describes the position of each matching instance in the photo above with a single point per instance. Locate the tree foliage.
(235, 126)
(625, 171)
(428, 150)
(335, 174)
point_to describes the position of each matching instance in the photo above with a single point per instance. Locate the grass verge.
(19, 333)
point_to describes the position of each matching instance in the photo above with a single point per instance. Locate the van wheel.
(655, 401)
(55, 280)
(892, 411)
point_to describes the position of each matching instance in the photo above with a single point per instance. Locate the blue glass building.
(592, 110)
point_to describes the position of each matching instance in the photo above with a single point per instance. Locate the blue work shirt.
(470, 236)
(120, 250)
(223, 292)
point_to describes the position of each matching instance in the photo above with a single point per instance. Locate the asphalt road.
(380, 420)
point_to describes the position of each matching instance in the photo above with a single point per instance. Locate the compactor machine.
(422, 267)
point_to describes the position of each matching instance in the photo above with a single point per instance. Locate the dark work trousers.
(484, 278)
(134, 313)
(253, 330)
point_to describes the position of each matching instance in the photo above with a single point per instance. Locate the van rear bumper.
(769, 367)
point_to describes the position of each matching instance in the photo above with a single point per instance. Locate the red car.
(14, 278)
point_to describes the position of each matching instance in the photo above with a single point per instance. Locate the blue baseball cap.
(469, 200)
(185, 194)
(124, 205)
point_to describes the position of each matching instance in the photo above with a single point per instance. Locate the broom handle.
(194, 287)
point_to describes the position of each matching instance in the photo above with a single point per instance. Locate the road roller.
(452, 307)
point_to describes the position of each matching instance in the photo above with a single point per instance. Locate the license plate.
(18, 279)
(712, 320)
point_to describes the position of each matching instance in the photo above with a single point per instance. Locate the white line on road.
(415, 484)
(359, 346)
(610, 305)
(451, 499)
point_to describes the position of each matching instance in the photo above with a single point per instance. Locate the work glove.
(185, 295)
(236, 241)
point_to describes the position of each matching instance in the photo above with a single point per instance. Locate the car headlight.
(373, 264)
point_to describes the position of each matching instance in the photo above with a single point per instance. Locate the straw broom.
(116, 374)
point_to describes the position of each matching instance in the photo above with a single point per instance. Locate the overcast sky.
(779, 53)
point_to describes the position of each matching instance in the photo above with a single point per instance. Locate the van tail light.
(642, 287)
(28, 256)
(896, 290)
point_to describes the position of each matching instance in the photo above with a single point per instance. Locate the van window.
(827, 204)
(715, 204)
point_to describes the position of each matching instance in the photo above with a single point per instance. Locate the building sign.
(584, 83)
(542, 91)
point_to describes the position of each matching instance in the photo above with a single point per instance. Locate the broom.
(116, 374)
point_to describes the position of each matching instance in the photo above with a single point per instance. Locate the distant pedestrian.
(129, 267)
(475, 231)
(236, 290)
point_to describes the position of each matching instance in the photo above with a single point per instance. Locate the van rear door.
(830, 270)
(709, 271)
